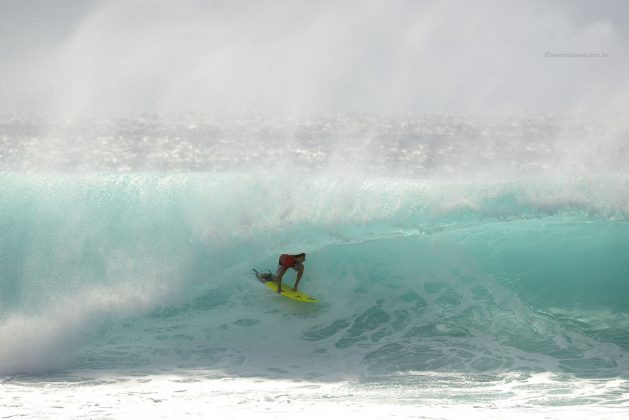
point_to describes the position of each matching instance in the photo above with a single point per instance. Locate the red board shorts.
(281, 270)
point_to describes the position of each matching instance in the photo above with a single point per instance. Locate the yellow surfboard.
(287, 291)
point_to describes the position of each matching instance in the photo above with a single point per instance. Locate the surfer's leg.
(278, 277)
(300, 272)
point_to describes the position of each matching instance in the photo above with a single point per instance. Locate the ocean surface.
(465, 266)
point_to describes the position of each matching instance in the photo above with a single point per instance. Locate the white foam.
(46, 340)
(204, 394)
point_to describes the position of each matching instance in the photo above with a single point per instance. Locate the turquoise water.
(139, 271)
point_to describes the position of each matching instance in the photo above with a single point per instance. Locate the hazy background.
(73, 58)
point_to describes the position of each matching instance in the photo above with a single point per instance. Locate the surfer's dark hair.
(300, 255)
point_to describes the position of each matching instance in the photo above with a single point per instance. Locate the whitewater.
(465, 265)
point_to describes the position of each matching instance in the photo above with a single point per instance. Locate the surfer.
(289, 261)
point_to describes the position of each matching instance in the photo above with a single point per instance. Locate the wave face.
(152, 270)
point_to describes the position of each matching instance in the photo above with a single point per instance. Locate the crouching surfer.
(289, 261)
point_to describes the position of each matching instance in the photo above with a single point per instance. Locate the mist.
(73, 59)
